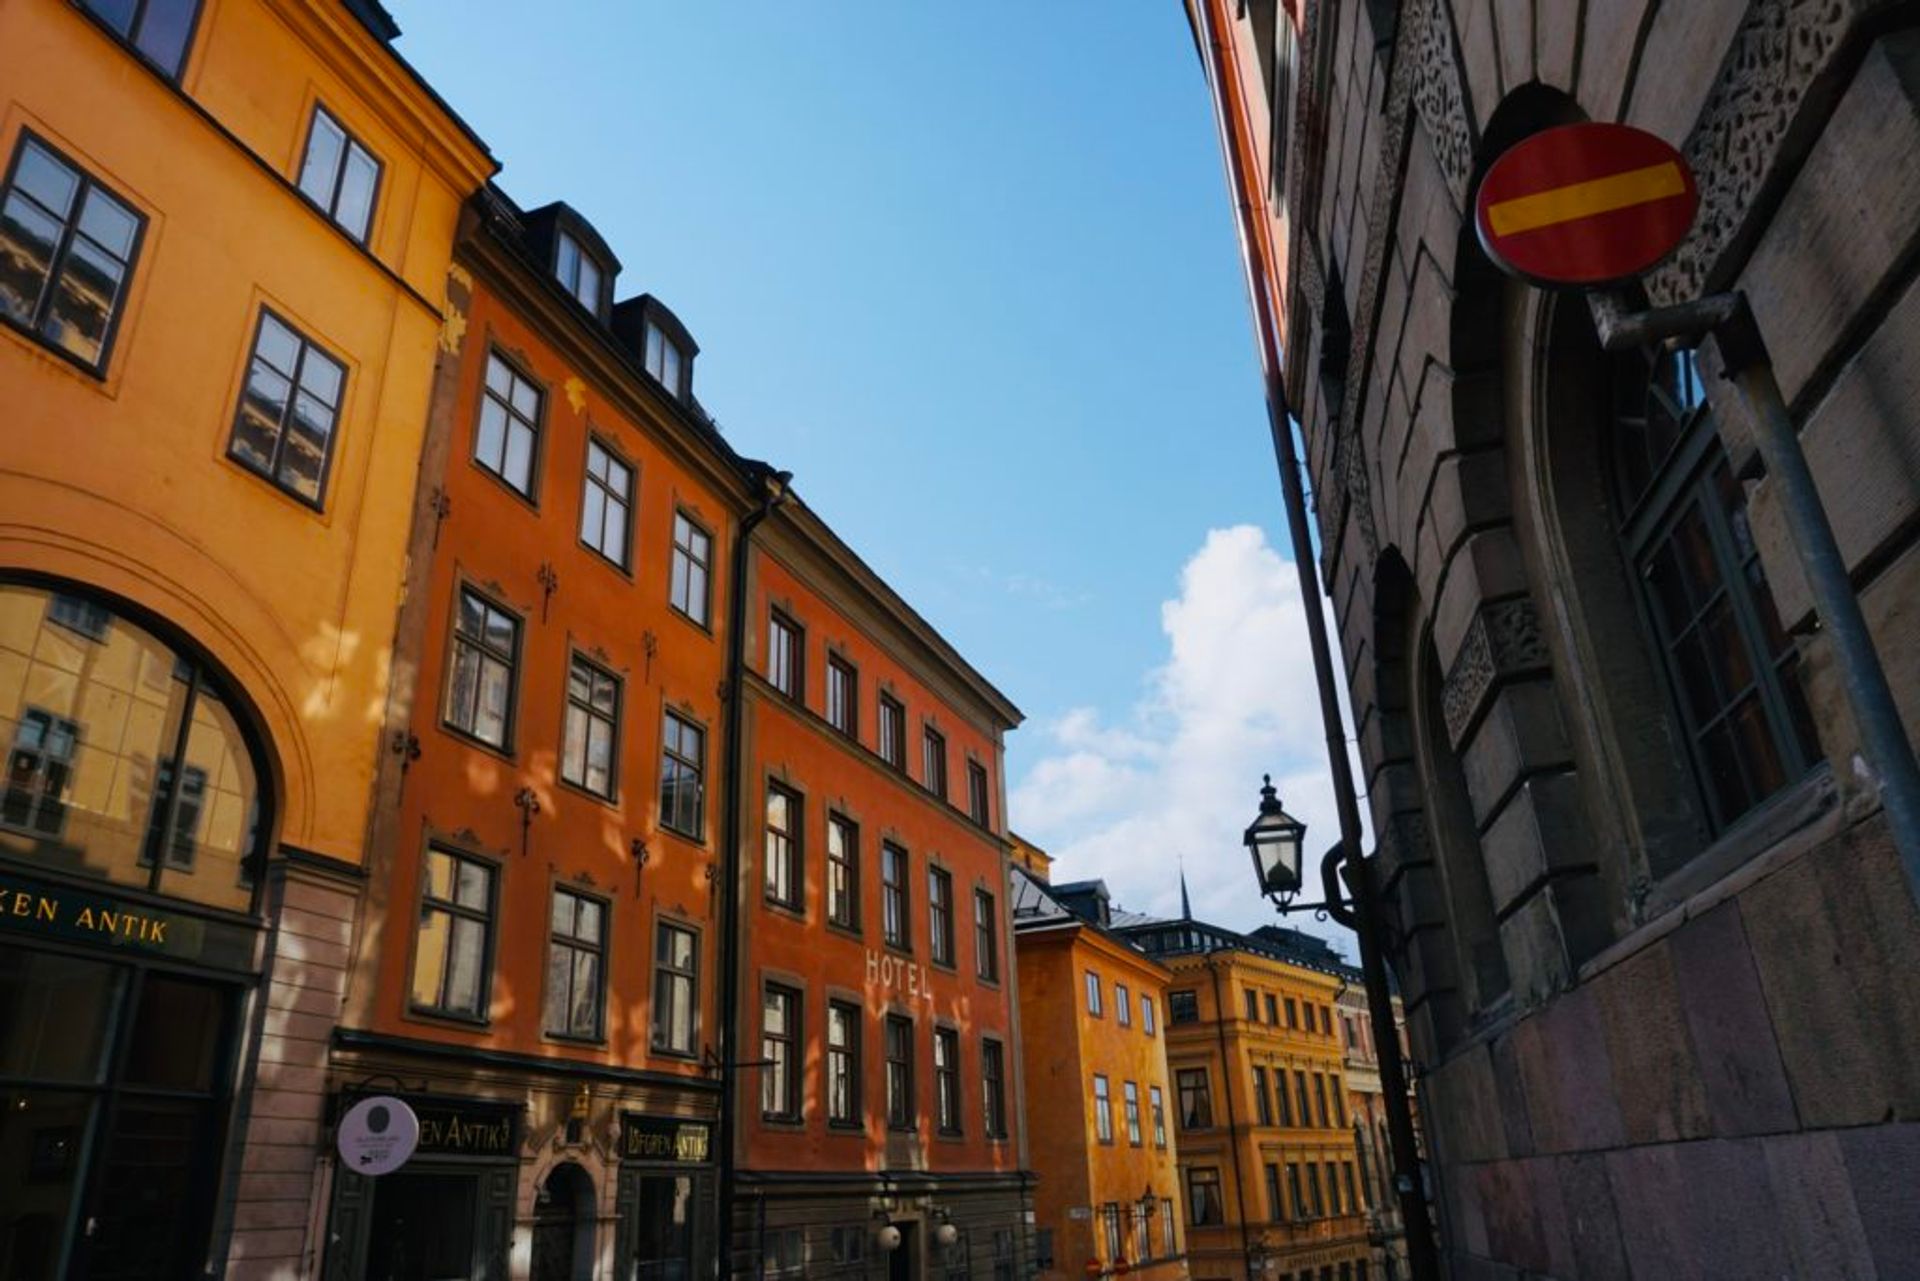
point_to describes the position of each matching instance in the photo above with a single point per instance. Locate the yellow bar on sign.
(1584, 199)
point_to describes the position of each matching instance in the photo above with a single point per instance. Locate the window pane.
(324, 144)
(27, 240)
(164, 28)
(51, 183)
(84, 302)
(109, 224)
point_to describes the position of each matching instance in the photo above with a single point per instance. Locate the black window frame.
(781, 1065)
(786, 655)
(979, 804)
(45, 786)
(933, 761)
(940, 932)
(783, 879)
(896, 898)
(574, 944)
(512, 416)
(890, 738)
(697, 766)
(562, 239)
(1206, 1211)
(609, 499)
(1157, 1104)
(1095, 998)
(271, 470)
(946, 1082)
(1195, 1113)
(349, 144)
(842, 705)
(457, 641)
(677, 980)
(487, 919)
(1183, 1006)
(1262, 1102)
(986, 936)
(86, 185)
(843, 873)
(590, 715)
(130, 41)
(898, 1045)
(843, 1066)
(682, 553)
(1122, 1005)
(1130, 1103)
(1148, 1026)
(1102, 1109)
(993, 1084)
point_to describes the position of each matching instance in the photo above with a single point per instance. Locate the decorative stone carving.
(1439, 95)
(1780, 51)
(1503, 641)
(1360, 497)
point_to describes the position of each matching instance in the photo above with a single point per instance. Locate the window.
(1093, 994)
(508, 435)
(933, 762)
(1273, 1014)
(977, 792)
(843, 696)
(456, 926)
(676, 989)
(289, 408)
(339, 175)
(843, 873)
(683, 750)
(77, 613)
(993, 1078)
(899, 1032)
(940, 915)
(1204, 1207)
(1294, 1192)
(986, 937)
(480, 680)
(1170, 1246)
(1122, 1005)
(67, 249)
(1734, 673)
(786, 655)
(893, 732)
(1158, 1103)
(1320, 1098)
(785, 1253)
(1339, 1104)
(946, 1079)
(1300, 1092)
(666, 361)
(1196, 1102)
(1316, 1199)
(38, 771)
(1293, 1014)
(576, 956)
(1183, 1007)
(1003, 1252)
(606, 504)
(1253, 1006)
(687, 584)
(1333, 1188)
(1130, 1095)
(589, 742)
(1142, 1236)
(1275, 1210)
(843, 1063)
(894, 925)
(1112, 1230)
(1102, 1109)
(186, 816)
(1353, 1197)
(779, 1068)
(783, 857)
(849, 1246)
(1262, 1104)
(577, 272)
(158, 30)
(1281, 1097)
(1146, 1015)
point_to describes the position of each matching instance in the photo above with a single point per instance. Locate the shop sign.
(897, 974)
(43, 909)
(459, 1127)
(664, 1138)
(377, 1135)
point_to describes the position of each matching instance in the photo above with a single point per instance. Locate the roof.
(1162, 938)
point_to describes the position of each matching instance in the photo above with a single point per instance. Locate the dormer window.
(665, 360)
(577, 272)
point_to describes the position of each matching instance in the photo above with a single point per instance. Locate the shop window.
(453, 949)
(1733, 671)
(676, 989)
(940, 915)
(779, 1067)
(1204, 1206)
(576, 966)
(986, 937)
(843, 696)
(506, 441)
(1183, 1007)
(849, 1246)
(843, 873)
(339, 174)
(289, 411)
(1110, 1230)
(1142, 1236)
(481, 677)
(946, 1079)
(1196, 1099)
(899, 1046)
(157, 30)
(687, 582)
(786, 655)
(843, 1063)
(127, 764)
(1168, 1242)
(590, 740)
(783, 863)
(606, 504)
(993, 1076)
(683, 754)
(893, 732)
(894, 919)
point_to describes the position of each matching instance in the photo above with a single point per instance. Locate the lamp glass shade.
(1275, 839)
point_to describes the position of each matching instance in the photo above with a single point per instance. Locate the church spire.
(1186, 905)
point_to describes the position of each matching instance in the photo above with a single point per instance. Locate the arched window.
(125, 759)
(1732, 670)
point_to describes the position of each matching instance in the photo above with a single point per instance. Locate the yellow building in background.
(225, 231)
(1269, 1168)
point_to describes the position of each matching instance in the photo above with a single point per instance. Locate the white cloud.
(1179, 776)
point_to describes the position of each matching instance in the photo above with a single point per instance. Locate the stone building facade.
(1653, 936)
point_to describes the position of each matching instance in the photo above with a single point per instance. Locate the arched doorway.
(563, 1223)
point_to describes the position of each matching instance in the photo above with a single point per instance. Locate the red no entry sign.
(1585, 205)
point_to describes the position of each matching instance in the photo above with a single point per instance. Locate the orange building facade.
(876, 1075)
(224, 234)
(1099, 1097)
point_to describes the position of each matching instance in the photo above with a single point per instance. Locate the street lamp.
(1274, 840)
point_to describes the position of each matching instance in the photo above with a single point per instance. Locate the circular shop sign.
(377, 1135)
(1585, 205)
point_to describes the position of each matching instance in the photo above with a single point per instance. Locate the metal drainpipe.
(773, 492)
(1422, 1254)
(1233, 1123)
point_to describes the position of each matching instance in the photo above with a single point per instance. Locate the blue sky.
(968, 270)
